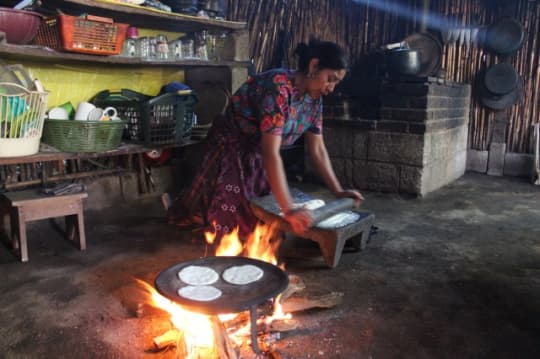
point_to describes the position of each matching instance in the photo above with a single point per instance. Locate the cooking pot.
(402, 61)
(429, 52)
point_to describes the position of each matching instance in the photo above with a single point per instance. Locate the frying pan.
(505, 36)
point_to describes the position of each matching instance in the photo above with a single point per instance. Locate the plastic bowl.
(20, 26)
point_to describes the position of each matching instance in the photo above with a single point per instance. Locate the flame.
(262, 244)
(197, 328)
(198, 332)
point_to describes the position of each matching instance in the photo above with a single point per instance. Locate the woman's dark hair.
(330, 55)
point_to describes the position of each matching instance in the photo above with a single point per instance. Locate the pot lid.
(429, 51)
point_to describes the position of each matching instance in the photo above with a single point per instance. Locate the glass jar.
(188, 48)
(175, 50)
(162, 48)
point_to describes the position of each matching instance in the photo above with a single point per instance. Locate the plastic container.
(129, 105)
(168, 119)
(20, 26)
(94, 35)
(21, 120)
(83, 136)
(160, 120)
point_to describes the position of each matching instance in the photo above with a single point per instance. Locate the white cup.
(58, 113)
(102, 114)
(83, 110)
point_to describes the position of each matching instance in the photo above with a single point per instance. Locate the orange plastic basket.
(92, 35)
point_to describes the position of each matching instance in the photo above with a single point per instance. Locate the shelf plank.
(140, 16)
(44, 54)
(124, 149)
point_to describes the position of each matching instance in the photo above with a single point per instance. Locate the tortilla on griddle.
(244, 274)
(198, 275)
(201, 293)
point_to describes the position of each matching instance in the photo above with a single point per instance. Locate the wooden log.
(282, 325)
(169, 338)
(296, 285)
(223, 343)
(296, 304)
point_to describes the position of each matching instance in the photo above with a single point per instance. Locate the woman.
(270, 110)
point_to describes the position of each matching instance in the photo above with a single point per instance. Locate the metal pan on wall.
(487, 80)
(429, 51)
(505, 36)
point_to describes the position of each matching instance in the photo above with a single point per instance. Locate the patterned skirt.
(230, 175)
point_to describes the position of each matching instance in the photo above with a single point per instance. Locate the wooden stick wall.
(362, 26)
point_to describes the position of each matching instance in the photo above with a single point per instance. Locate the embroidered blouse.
(270, 103)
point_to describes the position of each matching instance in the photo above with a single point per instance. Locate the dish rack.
(22, 113)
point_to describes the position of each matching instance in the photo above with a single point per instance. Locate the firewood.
(295, 304)
(223, 343)
(282, 325)
(296, 284)
(169, 338)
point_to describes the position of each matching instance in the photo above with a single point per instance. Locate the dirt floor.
(453, 275)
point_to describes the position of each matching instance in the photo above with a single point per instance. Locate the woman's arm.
(300, 219)
(319, 155)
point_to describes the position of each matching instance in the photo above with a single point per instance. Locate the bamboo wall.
(364, 25)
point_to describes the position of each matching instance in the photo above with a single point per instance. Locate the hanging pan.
(505, 36)
(499, 87)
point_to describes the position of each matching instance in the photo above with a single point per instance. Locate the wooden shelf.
(44, 54)
(139, 16)
(54, 155)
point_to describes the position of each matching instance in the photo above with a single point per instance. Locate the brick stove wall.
(418, 144)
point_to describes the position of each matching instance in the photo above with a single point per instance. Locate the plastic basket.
(21, 119)
(160, 120)
(83, 136)
(130, 106)
(49, 34)
(168, 119)
(94, 35)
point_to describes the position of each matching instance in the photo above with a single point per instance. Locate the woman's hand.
(300, 219)
(351, 193)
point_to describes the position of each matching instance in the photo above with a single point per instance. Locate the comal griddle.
(234, 298)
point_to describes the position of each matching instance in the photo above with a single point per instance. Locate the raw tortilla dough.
(242, 275)
(198, 275)
(339, 220)
(201, 293)
(311, 204)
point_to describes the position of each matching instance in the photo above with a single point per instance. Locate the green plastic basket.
(83, 136)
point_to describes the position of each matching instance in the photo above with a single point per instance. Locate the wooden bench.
(32, 205)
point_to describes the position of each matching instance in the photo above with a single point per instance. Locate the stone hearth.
(418, 144)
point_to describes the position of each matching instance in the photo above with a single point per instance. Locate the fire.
(197, 329)
(262, 244)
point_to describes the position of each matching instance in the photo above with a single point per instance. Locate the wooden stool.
(31, 205)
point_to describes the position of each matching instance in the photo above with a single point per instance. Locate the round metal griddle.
(234, 298)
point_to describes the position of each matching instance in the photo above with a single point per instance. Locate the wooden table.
(32, 205)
